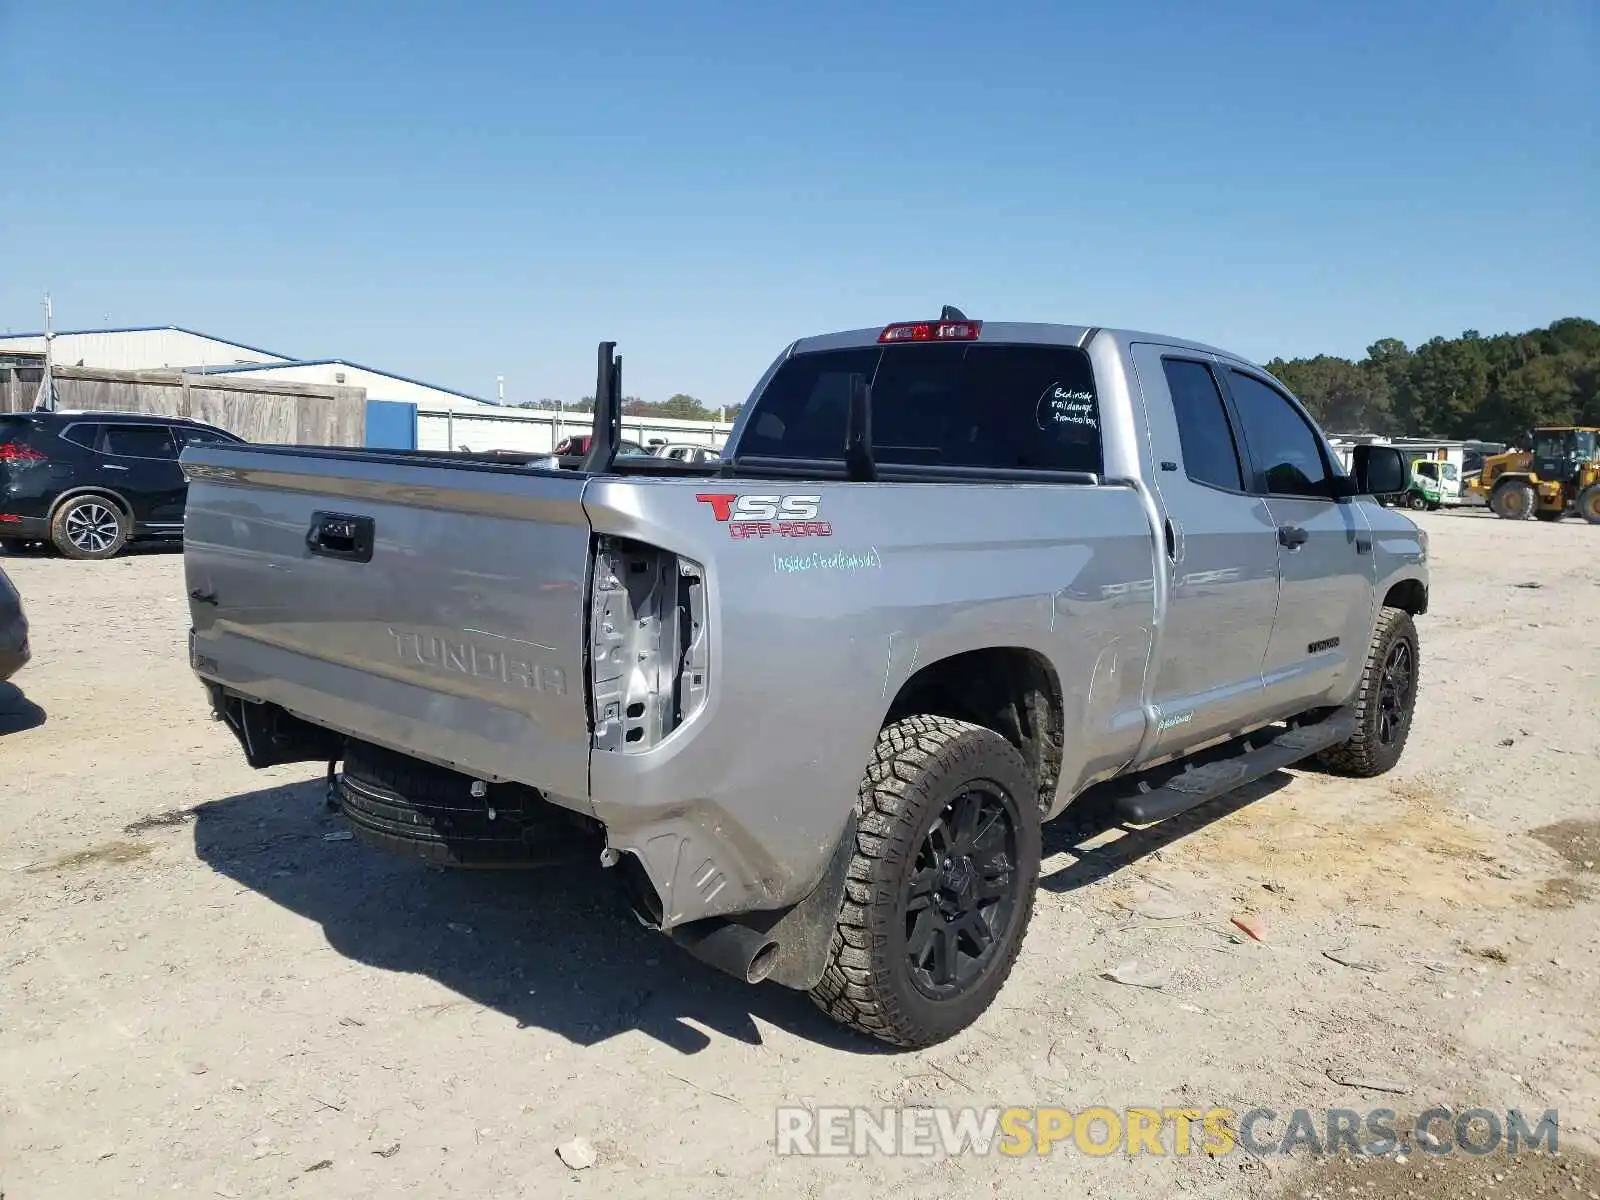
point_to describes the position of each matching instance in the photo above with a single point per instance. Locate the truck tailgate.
(434, 606)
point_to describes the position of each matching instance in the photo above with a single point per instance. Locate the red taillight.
(931, 331)
(17, 452)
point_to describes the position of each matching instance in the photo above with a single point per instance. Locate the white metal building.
(380, 385)
(142, 348)
(170, 347)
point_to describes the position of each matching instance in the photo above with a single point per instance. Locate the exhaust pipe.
(735, 949)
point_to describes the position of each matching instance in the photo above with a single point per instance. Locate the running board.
(1193, 787)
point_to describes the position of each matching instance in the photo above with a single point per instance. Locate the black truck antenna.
(606, 431)
(951, 313)
(858, 464)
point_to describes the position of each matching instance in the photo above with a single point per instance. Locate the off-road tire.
(1367, 753)
(1589, 504)
(66, 526)
(1501, 504)
(919, 766)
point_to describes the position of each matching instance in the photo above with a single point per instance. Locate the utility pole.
(500, 388)
(46, 399)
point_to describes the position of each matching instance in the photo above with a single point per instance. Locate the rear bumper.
(28, 529)
(26, 498)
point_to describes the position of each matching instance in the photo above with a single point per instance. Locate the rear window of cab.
(1003, 407)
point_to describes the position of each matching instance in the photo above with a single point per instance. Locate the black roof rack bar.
(606, 431)
(858, 463)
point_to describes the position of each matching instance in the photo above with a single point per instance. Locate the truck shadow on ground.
(1078, 832)
(18, 714)
(554, 948)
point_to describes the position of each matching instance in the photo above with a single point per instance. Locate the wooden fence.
(268, 411)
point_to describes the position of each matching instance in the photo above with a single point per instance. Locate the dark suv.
(90, 482)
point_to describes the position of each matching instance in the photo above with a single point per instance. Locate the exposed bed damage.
(648, 663)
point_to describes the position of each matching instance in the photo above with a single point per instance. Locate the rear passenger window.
(138, 441)
(82, 435)
(1286, 450)
(1003, 407)
(1205, 435)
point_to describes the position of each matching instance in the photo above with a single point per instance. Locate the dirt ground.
(201, 994)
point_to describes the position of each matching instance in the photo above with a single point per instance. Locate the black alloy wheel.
(960, 898)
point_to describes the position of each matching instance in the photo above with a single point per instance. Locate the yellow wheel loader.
(1560, 475)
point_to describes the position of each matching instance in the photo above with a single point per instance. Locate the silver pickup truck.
(812, 703)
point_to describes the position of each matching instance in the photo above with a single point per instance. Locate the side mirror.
(1379, 470)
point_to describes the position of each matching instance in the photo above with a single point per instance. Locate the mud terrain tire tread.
(915, 763)
(1364, 756)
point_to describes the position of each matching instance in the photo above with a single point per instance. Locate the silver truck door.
(1324, 549)
(1221, 555)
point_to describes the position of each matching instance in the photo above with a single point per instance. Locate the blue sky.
(464, 190)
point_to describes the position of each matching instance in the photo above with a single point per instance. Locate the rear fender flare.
(804, 931)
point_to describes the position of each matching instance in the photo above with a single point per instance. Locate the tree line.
(1494, 388)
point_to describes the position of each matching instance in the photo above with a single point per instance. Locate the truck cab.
(1434, 483)
(1559, 454)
